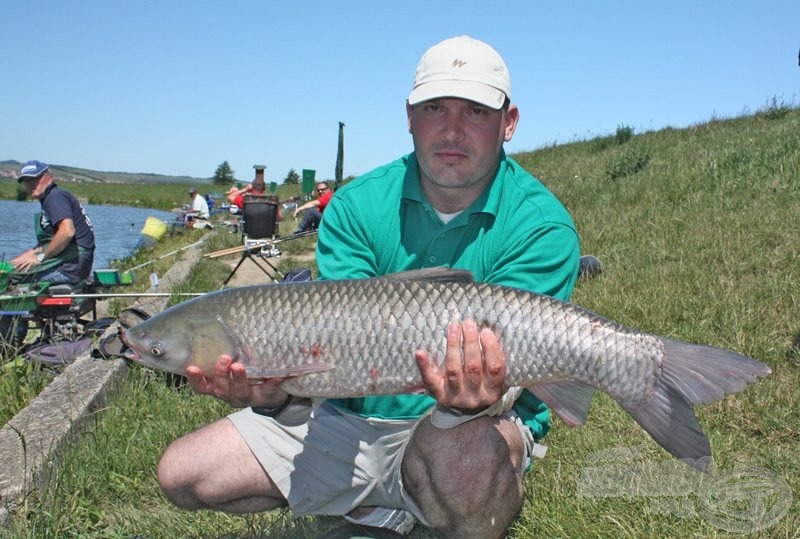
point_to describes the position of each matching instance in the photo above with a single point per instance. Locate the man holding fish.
(454, 457)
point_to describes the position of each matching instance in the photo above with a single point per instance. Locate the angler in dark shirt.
(64, 251)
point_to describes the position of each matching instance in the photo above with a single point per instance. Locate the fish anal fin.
(438, 274)
(569, 399)
(255, 372)
(668, 417)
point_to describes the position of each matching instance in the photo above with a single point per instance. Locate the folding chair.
(259, 230)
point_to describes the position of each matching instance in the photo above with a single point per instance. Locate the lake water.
(116, 229)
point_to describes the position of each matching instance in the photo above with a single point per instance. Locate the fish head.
(173, 340)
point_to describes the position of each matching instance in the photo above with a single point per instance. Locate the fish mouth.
(128, 352)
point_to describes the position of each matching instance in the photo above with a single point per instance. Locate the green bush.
(624, 134)
(775, 110)
(632, 159)
(599, 144)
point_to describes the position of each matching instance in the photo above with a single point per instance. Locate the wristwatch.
(275, 410)
(40, 256)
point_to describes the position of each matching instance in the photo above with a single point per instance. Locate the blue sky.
(178, 87)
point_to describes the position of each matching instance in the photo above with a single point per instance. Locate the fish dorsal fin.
(438, 274)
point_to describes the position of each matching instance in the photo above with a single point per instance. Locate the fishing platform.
(58, 311)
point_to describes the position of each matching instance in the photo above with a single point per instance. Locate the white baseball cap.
(462, 67)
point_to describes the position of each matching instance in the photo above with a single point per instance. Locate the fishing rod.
(165, 255)
(256, 245)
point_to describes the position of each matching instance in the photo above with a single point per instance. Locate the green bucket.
(5, 275)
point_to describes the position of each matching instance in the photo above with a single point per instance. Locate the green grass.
(699, 242)
(20, 381)
(161, 196)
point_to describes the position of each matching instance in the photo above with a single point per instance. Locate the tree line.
(223, 176)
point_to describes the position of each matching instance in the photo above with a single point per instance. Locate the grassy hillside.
(142, 190)
(154, 191)
(699, 242)
(698, 233)
(10, 167)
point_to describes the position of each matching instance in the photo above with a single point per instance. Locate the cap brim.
(478, 92)
(25, 177)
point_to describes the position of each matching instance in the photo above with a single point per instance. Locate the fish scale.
(405, 316)
(358, 337)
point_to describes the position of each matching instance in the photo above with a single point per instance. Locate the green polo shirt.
(515, 234)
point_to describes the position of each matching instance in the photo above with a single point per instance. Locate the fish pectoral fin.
(287, 372)
(569, 399)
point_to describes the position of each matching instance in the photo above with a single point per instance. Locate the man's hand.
(230, 384)
(473, 374)
(25, 261)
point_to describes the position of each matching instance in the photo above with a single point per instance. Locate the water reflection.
(116, 229)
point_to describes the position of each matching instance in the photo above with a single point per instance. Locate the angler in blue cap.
(64, 250)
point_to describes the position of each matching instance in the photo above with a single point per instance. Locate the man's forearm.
(60, 240)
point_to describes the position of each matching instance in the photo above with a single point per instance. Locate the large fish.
(358, 337)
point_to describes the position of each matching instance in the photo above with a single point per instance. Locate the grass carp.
(358, 337)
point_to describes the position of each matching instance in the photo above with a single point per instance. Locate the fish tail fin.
(691, 374)
(704, 374)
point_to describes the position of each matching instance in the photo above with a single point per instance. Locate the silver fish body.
(358, 337)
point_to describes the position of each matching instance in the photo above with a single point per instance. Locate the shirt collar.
(48, 189)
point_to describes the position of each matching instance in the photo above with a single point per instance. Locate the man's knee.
(455, 475)
(187, 467)
(481, 442)
(214, 468)
(175, 479)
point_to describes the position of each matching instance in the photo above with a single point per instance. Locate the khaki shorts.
(326, 461)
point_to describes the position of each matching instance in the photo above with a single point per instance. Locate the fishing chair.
(259, 232)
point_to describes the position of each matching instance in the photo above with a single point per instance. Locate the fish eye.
(155, 350)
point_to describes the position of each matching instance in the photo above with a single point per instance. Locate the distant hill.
(9, 169)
